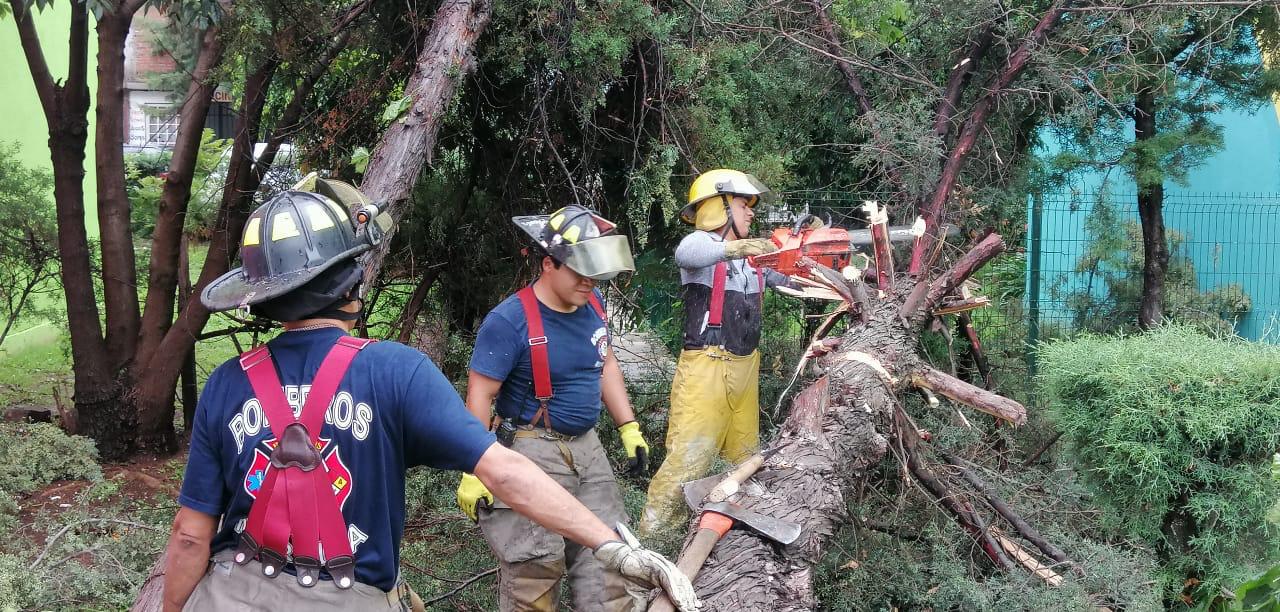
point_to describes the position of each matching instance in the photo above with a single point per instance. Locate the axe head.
(780, 531)
(695, 491)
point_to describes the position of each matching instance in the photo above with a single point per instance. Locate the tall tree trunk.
(1155, 251)
(154, 391)
(167, 239)
(925, 248)
(119, 271)
(446, 56)
(175, 347)
(187, 382)
(66, 107)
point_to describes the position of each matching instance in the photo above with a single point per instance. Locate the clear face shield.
(595, 256)
(759, 197)
(601, 258)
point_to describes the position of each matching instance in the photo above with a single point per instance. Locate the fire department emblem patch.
(256, 476)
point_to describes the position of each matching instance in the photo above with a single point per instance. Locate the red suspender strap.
(539, 361)
(537, 346)
(598, 307)
(297, 503)
(715, 311)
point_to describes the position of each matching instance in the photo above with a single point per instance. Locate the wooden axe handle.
(711, 527)
(740, 474)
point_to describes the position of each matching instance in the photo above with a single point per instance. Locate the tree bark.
(187, 382)
(836, 431)
(66, 107)
(166, 243)
(154, 394)
(1155, 251)
(119, 267)
(447, 56)
(839, 427)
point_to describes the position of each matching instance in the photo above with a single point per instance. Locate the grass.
(36, 356)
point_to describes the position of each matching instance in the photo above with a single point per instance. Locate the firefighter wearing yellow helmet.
(715, 408)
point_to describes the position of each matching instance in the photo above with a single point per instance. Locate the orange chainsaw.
(824, 244)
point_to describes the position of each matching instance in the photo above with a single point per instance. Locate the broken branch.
(950, 281)
(998, 504)
(959, 508)
(976, 397)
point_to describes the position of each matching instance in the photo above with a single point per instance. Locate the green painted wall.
(21, 119)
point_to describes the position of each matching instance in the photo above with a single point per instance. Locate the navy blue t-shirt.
(393, 410)
(577, 345)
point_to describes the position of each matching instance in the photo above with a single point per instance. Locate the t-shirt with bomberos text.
(393, 410)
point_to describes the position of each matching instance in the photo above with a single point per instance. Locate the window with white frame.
(162, 125)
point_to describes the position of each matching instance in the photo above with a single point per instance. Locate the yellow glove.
(637, 448)
(470, 492)
(748, 247)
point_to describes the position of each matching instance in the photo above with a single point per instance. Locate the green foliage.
(1191, 63)
(396, 108)
(360, 159)
(35, 455)
(28, 241)
(1175, 431)
(1111, 267)
(1259, 594)
(144, 174)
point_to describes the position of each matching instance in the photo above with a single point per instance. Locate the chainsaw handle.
(802, 221)
(711, 527)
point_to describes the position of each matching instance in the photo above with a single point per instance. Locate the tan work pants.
(228, 587)
(532, 560)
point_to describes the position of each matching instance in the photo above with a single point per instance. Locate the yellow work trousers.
(715, 411)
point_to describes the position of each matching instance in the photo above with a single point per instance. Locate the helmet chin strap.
(732, 225)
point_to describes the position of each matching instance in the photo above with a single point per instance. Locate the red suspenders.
(715, 310)
(538, 359)
(296, 502)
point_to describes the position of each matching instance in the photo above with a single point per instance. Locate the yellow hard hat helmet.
(705, 210)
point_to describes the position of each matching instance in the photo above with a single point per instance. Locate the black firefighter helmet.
(299, 246)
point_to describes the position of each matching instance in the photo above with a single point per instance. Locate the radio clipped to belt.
(296, 504)
(539, 360)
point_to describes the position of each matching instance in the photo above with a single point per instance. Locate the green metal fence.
(1084, 262)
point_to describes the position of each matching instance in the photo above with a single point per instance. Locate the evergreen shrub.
(1175, 432)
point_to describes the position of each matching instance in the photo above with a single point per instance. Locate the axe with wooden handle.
(719, 516)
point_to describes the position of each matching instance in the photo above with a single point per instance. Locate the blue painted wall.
(1229, 215)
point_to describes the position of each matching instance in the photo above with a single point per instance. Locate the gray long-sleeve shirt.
(697, 256)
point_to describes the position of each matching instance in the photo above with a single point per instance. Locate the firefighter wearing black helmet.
(300, 446)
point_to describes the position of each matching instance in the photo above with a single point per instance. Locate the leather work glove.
(637, 449)
(648, 568)
(748, 247)
(470, 493)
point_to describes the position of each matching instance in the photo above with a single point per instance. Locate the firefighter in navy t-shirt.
(545, 355)
(317, 490)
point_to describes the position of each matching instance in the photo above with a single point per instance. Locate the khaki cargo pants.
(228, 587)
(532, 560)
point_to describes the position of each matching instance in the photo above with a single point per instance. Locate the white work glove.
(648, 568)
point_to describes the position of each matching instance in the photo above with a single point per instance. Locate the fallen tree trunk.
(840, 426)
